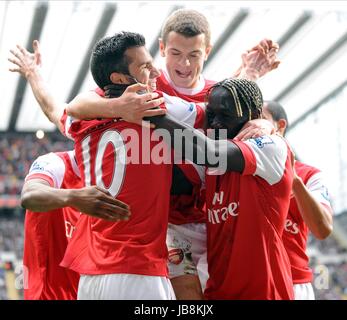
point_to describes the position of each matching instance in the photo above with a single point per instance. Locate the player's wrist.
(118, 107)
(237, 72)
(68, 197)
(33, 74)
(249, 74)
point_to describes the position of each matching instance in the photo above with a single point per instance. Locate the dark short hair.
(276, 110)
(188, 23)
(109, 56)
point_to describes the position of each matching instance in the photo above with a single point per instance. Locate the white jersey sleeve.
(50, 165)
(318, 189)
(271, 156)
(182, 110)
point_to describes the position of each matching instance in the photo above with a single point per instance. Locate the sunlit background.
(311, 83)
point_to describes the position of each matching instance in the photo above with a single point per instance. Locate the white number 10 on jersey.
(113, 137)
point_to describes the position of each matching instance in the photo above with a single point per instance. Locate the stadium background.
(311, 83)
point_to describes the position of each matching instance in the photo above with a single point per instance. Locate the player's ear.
(161, 47)
(118, 78)
(281, 126)
(208, 51)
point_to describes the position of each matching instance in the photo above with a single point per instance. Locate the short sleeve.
(269, 160)
(49, 167)
(318, 189)
(181, 110)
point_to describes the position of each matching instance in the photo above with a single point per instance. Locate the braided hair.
(248, 99)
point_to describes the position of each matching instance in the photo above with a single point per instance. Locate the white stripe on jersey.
(271, 155)
(72, 157)
(86, 160)
(50, 165)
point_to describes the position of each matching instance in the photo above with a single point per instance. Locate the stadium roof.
(313, 38)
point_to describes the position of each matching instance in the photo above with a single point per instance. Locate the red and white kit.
(186, 239)
(246, 217)
(296, 231)
(133, 247)
(46, 234)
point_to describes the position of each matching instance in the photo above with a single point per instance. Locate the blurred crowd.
(12, 234)
(336, 288)
(329, 264)
(11, 247)
(17, 152)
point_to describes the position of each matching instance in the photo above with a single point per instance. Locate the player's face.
(221, 113)
(141, 67)
(185, 58)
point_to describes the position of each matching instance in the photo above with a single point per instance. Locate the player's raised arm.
(38, 196)
(29, 66)
(131, 106)
(313, 205)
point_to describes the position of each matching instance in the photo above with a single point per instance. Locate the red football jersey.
(46, 234)
(187, 208)
(104, 149)
(296, 231)
(246, 216)
(187, 106)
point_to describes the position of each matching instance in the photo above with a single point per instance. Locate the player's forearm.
(317, 217)
(90, 105)
(39, 197)
(50, 107)
(198, 148)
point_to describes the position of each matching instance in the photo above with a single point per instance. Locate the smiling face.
(221, 113)
(141, 66)
(185, 57)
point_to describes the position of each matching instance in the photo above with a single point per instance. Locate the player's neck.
(115, 90)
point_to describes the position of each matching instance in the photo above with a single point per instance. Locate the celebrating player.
(310, 210)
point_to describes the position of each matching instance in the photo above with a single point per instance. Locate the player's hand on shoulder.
(254, 129)
(137, 104)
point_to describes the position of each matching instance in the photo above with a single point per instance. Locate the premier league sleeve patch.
(260, 142)
(49, 165)
(39, 166)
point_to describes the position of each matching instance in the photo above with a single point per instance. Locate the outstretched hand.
(25, 62)
(259, 60)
